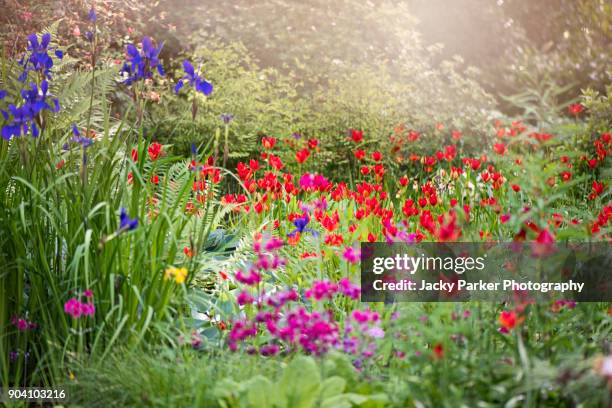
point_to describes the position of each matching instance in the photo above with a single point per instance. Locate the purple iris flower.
(83, 141)
(125, 222)
(141, 64)
(38, 58)
(22, 119)
(301, 226)
(92, 15)
(2, 94)
(227, 118)
(193, 79)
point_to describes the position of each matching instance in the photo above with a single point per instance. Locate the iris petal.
(46, 39)
(188, 68)
(178, 86)
(205, 87)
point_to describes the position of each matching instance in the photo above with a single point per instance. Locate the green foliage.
(600, 110)
(184, 379)
(59, 235)
(542, 102)
(262, 101)
(540, 365)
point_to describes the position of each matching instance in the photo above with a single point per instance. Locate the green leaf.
(300, 383)
(258, 392)
(332, 386)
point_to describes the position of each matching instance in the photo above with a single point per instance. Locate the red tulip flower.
(302, 155)
(155, 150)
(357, 135)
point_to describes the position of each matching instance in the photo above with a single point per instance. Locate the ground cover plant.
(185, 231)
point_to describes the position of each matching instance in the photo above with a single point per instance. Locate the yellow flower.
(179, 274)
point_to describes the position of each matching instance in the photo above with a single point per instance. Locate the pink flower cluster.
(322, 290)
(22, 324)
(290, 327)
(563, 303)
(314, 182)
(75, 308)
(267, 259)
(361, 332)
(326, 290)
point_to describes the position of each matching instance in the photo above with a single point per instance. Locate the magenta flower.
(273, 244)
(73, 308)
(351, 254)
(284, 327)
(244, 298)
(280, 299)
(348, 289)
(253, 278)
(322, 290)
(364, 316)
(88, 309)
(22, 324)
(269, 350)
(76, 309)
(312, 182)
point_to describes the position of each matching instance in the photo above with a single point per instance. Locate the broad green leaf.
(300, 383)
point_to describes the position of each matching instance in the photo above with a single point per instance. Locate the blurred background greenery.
(316, 67)
(568, 40)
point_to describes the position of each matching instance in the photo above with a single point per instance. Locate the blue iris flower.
(23, 119)
(301, 226)
(193, 79)
(92, 15)
(38, 58)
(125, 222)
(140, 65)
(83, 141)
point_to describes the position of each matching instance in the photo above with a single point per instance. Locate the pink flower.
(321, 290)
(244, 298)
(251, 279)
(269, 350)
(348, 289)
(274, 244)
(20, 324)
(88, 309)
(351, 255)
(73, 308)
(364, 316)
(376, 332)
(311, 182)
(77, 309)
(88, 293)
